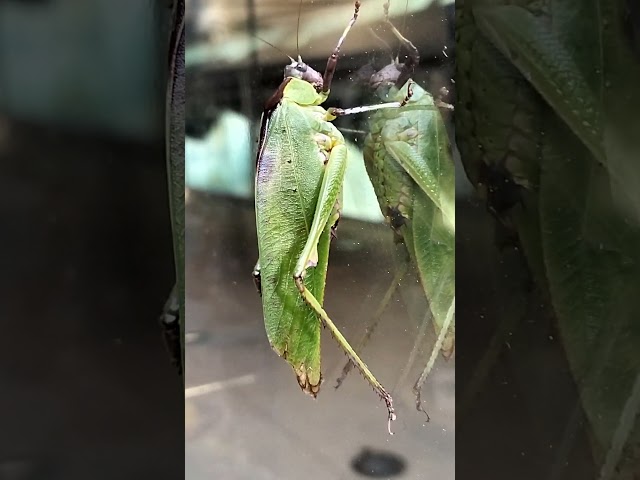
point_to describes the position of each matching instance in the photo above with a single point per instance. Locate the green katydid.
(408, 158)
(301, 164)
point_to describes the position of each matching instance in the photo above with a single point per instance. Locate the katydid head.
(373, 75)
(396, 73)
(380, 80)
(299, 69)
(387, 75)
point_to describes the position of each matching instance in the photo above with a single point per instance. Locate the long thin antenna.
(384, 44)
(404, 18)
(387, 19)
(298, 29)
(273, 46)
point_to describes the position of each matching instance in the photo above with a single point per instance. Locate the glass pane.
(245, 414)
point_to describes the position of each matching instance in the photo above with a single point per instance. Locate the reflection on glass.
(546, 100)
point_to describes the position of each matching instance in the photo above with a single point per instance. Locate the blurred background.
(88, 390)
(548, 383)
(245, 414)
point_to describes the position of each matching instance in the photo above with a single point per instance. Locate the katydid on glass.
(301, 165)
(408, 158)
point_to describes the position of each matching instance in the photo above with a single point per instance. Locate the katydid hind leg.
(435, 351)
(415, 351)
(328, 198)
(325, 216)
(353, 356)
(375, 319)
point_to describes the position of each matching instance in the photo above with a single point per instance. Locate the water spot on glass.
(378, 463)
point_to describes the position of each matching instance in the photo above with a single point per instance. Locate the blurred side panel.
(548, 382)
(87, 385)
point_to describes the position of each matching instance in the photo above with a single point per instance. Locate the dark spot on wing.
(396, 219)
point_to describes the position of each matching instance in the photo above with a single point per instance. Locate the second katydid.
(408, 159)
(301, 164)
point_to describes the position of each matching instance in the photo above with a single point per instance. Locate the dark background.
(87, 389)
